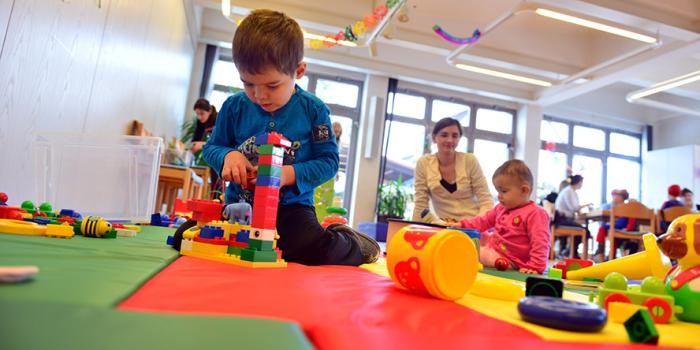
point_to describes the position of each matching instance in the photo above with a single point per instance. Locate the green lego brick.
(234, 250)
(258, 244)
(258, 256)
(592, 279)
(554, 273)
(270, 149)
(269, 170)
(640, 328)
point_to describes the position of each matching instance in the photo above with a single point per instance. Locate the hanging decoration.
(457, 40)
(550, 146)
(355, 31)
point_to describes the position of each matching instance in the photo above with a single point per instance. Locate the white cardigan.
(471, 198)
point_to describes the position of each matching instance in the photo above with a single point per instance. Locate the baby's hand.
(528, 271)
(451, 222)
(236, 168)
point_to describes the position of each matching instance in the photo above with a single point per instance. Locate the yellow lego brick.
(233, 260)
(619, 312)
(17, 227)
(190, 233)
(206, 248)
(59, 231)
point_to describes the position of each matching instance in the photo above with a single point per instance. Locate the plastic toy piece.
(640, 328)
(3, 198)
(650, 294)
(682, 242)
(544, 286)
(502, 264)
(15, 274)
(12, 213)
(457, 40)
(17, 227)
(635, 266)
(432, 261)
(619, 312)
(572, 265)
(95, 226)
(496, 288)
(59, 231)
(562, 313)
(555, 273)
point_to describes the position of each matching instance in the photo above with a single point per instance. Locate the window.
(620, 171)
(552, 131)
(405, 105)
(551, 170)
(303, 82)
(592, 171)
(344, 150)
(490, 155)
(333, 92)
(225, 73)
(493, 120)
(624, 144)
(444, 109)
(589, 138)
(607, 159)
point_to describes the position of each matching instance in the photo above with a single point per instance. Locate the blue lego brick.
(211, 232)
(170, 240)
(273, 181)
(242, 235)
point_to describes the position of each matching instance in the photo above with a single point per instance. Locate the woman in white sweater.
(451, 181)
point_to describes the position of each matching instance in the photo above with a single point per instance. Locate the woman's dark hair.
(574, 180)
(445, 122)
(204, 105)
(686, 191)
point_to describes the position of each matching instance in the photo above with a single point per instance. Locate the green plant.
(393, 198)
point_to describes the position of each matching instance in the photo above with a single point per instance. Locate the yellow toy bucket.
(434, 261)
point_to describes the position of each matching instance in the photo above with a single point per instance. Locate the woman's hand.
(197, 146)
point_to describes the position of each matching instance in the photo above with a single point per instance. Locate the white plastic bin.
(112, 176)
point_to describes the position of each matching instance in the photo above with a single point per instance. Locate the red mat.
(338, 307)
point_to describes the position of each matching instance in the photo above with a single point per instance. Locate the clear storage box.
(112, 176)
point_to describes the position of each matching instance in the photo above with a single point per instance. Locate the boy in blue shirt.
(268, 49)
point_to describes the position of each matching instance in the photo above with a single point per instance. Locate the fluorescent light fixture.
(495, 73)
(311, 36)
(226, 8)
(666, 85)
(595, 25)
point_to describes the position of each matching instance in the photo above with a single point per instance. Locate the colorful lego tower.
(263, 228)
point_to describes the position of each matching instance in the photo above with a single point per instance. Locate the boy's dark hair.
(445, 122)
(516, 168)
(267, 38)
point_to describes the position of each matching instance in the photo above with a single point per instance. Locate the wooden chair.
(670, 214)
(572, 232)
(174, 181)
(633, 210)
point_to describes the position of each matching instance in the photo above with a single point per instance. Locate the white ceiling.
(526, 44)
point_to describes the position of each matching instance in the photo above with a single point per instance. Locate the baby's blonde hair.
(515, 168)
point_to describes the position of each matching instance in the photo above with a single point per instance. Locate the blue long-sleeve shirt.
(304, 120)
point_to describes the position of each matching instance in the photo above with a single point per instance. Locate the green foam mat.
(38, 325)
(86, 271)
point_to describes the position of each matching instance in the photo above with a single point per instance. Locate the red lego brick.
(217, 241)
(269, 159)
(267, 191)
(204, 210)
(278, 140)
(264, 222)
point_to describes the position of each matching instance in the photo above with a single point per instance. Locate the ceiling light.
(312, 36)
(503, 75)
(226, 8)
(666, 85)
(595, 25)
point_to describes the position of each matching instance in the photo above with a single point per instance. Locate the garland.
(355, 31)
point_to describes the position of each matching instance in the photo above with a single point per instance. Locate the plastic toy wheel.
(616, 297)
(659, 309)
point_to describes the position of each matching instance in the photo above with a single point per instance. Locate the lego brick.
(267, 191)
(268, 181)
(269, 170)
(554, 273)
(619, 312)
(277, 139)
(542, 286)
(258, 244)
(242, 236)
(263, 234)
(233, 250)
(215, 241)
(211, 232)
(259, 255)
(261, 138)
(265, 222)
(269, 159)
(209, 249)
(270, 149)
(640, 328)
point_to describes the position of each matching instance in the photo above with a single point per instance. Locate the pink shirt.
(520, 234)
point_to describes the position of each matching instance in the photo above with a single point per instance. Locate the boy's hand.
(236, 168)
(288, 177)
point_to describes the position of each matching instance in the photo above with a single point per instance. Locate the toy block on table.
(269, 160)
(272, 181)
(262, 234)
(619, 312)
(640, 328)
(541, 286)
(554, 273)
(258, 244)
(270, 149)
(269, 170)
(258, 255)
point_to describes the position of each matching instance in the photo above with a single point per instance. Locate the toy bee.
(95, 226)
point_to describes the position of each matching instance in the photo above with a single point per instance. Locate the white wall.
(678, 131)
(81, 67)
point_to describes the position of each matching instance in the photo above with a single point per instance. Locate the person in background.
(688, 199)
(206, 119)
(452, 181)
(516, 229)
(673, 192)
(567, 207)
(618, 197)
